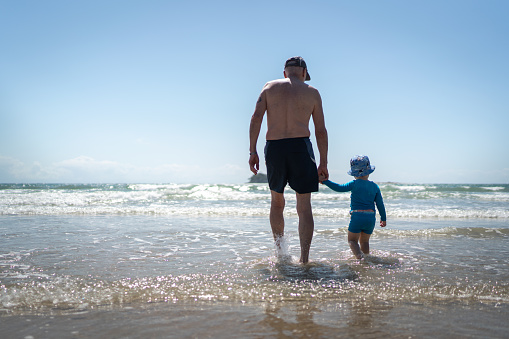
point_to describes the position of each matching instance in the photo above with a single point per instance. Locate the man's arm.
(322, 140)
(254, 131)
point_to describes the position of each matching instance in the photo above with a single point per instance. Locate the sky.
(123, 91)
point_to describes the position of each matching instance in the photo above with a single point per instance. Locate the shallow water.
(188, 261)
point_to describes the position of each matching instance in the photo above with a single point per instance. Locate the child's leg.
(364, 240)
(353, 241)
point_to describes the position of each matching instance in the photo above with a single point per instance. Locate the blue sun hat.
(360, 166)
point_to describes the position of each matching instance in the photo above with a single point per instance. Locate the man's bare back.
(289, 105)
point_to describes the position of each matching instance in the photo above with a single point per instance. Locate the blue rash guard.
(365, 194)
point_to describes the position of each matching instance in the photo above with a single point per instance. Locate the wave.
(448, 232)
(237, 210)
(402, 201)
(72, 187)
(385, 187)
(444, 187)
(421, 213)
(445, 232)
(118, 207)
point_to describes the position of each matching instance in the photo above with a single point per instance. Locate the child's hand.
(322, 178)
(383, 223)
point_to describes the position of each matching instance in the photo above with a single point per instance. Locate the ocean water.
(145, 260)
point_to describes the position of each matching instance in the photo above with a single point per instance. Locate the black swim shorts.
(291, 161)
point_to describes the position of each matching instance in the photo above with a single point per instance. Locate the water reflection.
(318, 320)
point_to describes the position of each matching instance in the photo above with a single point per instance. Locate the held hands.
(383, 223)
(323, 173)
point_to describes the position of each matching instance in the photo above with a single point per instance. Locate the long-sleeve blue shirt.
(365, 194)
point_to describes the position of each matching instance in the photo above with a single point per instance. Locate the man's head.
(297, 62)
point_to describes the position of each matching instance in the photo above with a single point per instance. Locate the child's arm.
(337, 187)
(379, 201)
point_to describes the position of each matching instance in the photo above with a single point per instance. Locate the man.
(290, 103)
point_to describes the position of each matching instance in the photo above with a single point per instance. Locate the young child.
(365, 194)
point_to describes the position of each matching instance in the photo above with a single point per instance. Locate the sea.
(199, 261)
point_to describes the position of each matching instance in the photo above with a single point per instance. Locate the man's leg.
(306, 225)
(277, 221)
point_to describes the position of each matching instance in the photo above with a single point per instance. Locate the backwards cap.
(298, 62)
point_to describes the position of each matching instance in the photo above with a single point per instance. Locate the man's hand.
(254, 163)
(383, 223)
(323, 173)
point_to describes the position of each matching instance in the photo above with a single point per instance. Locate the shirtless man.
(290, 103)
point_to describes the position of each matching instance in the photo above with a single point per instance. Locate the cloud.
(14, 170)
(84, 169)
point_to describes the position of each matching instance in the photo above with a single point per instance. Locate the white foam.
(401, 200)
(413, 188)
(492, 188)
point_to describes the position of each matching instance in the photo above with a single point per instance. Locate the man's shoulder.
(314, 90)
(279, 83)
(276, 82)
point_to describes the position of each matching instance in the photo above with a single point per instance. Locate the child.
(365, 194)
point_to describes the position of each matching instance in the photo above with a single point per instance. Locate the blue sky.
(163, 91)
